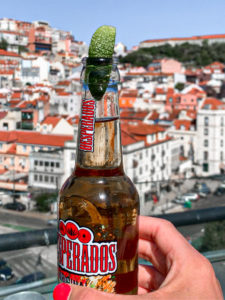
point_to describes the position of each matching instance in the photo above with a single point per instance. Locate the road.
(27, 261)
(26, 219)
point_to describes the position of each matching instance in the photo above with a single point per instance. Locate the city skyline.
(137, 22)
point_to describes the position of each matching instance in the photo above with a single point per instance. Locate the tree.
(214, 237)
(179, 86)
(3, 44)
(195, 55)
(44, 200)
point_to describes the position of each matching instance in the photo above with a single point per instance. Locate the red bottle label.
(83, 261)
(87, 128)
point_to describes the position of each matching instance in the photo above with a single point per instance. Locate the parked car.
(191, 196)
(3, 263)
(52, 222)
(180, 200)
(31, 277)
(222, 185)
(220, 191)
(15, 206)
(6, 273)
(202, 188)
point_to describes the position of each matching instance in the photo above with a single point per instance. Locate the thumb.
(65, 291)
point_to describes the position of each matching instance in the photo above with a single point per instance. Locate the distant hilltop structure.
(198, 40)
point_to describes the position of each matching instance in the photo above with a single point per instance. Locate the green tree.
(189, 54)
(3, 44)
(179, 86)
(214, 236)
(44, 200)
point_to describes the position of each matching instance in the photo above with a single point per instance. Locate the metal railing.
(48, 236)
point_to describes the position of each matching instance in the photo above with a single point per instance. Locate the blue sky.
(135, 20)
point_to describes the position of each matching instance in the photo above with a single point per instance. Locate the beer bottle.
(99, 205)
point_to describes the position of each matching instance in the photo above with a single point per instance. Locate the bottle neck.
(99, 150)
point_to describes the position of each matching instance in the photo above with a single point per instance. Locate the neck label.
(87, 125)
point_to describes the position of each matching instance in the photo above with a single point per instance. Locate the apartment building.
(210, 141)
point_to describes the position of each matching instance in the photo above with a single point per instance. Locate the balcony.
(48, 237)
(27, 125)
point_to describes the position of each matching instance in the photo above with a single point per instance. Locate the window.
(32, 148)
(221, 155)
(57, 165)
(24, 148)
(205, 155)
(52, 179)
(36, 163)
(52, 164)
(205, 167)
(206, 121)
(35, 177)
(72, 156)
(40, 178)
(206, 143)
(140, 170)
(140, 155)
(221, 132)
(46, 164)
(221, 121)
(12, 161)
(221, 143)
(170, 100)
(0, 145)
(46, 178)
(206, 131)
(41, 163)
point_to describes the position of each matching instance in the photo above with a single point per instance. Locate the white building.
(210, 141)
(10, 121)
(147, 153)
(65, 103)
(35, 70)
(55, 125)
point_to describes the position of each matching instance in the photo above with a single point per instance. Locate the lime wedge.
(103, 42)
(102, 46)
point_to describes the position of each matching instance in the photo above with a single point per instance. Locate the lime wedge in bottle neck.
(99, 62)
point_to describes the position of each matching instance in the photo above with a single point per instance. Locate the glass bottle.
(99, 205)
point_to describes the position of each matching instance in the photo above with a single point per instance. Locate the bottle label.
(87, 128)
(83, 261)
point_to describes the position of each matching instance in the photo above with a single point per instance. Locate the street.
(27, 261)
(29, 220)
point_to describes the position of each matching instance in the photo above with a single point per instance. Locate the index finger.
(168, 240)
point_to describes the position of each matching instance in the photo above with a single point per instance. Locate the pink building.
(188, 101)
(165, 65)
(15, 148)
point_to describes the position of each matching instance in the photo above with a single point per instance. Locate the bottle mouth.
(100, 61)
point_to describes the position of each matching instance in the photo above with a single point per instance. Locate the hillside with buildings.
(172, 116)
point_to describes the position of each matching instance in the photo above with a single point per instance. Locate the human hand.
(178, 272)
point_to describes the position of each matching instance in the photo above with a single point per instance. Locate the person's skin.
(179, 271)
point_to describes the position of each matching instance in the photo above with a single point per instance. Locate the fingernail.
(62, 291)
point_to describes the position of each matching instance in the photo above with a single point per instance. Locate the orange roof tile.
(51, 120)
(201, 37)
(34, 138)
(185, 123)
(64, 83)
(213, 104)
(8, 53)
(3, 114)
(16, 95)
(63, 94)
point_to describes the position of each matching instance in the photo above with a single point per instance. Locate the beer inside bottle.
(99, 205)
